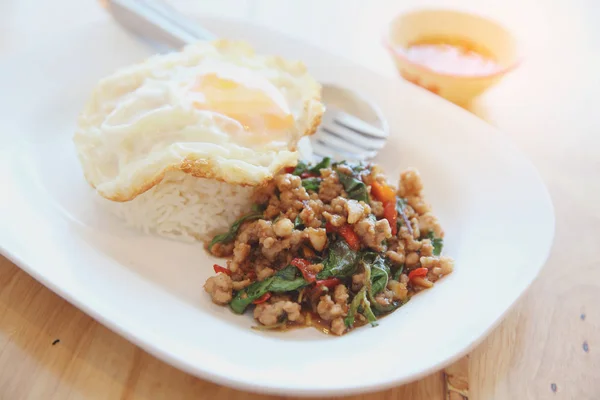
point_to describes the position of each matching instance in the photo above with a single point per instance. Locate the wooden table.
(546, 348)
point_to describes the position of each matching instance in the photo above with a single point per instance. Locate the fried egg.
(213, 110)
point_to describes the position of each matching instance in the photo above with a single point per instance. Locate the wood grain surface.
(546, 347)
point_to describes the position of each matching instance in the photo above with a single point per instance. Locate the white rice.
(185, 208)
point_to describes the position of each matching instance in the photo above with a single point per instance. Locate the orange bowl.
(410, 28)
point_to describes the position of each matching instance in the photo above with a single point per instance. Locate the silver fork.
(353, 128)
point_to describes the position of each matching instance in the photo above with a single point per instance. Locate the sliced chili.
(418, 272)
(383, 192)
(330, 228)
(262, 298)
(350, 236)
(391, 214)
(305, 175)
(289, 170)
(224, 270)
(304, 267)
(386, 195)
(328, 283)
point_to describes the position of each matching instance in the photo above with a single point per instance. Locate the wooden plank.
(51, 350)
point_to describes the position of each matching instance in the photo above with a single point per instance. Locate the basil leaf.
(301, 167)
(398, 272)
(324, 163)
(366, 304)
(380, 271)
(285, 280)
(246, 296)
(230, 235)
(370, 276)
(378, 309)
(280, 285)
(353, 309)
(438, 244)
(341, 261)
(357, 167)
(288, 273)
(312, 184)
(368, 312)
(298, 223)
(355, 188)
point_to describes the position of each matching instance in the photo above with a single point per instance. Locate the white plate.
(496, 212)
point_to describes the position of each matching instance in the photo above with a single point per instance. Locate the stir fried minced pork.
(332, 244)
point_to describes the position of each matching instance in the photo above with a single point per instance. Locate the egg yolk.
(255, 103)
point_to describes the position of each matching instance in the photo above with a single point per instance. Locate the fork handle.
(156, 20)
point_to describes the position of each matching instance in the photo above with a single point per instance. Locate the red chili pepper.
(289, 170)
(391, 214)
(305, 175)
(262, 298)
(303, 265)
(224, 270)
(386, 195)
(419, 272)
(328, 283)
(330, 228)
(383, 192)
(350, 236)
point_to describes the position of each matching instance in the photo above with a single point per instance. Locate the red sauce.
(452, 56)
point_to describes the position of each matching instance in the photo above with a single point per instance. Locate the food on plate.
(181, 139)
(332, 245)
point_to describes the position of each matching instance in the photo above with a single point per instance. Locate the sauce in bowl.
(452, 56)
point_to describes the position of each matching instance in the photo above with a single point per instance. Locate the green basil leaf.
(341, 261)
(286, 280)
(288, 273)
(368, 312)
(324, 163)
(379, 270)
(283, 285)
(246, 296)
(366, 304)
(378, 309)
(380, 274)
(355, 188)
(398, 272)
(353, 309)
(438, 244)
(311, 184)
(298, 223)
(377, 273)
(230, 235)
(301, 167)
(356, 167)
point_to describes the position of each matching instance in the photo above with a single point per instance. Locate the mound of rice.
(184, 207)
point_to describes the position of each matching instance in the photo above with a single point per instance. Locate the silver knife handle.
(156, 20)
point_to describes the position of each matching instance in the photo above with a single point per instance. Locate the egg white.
(143, 121)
